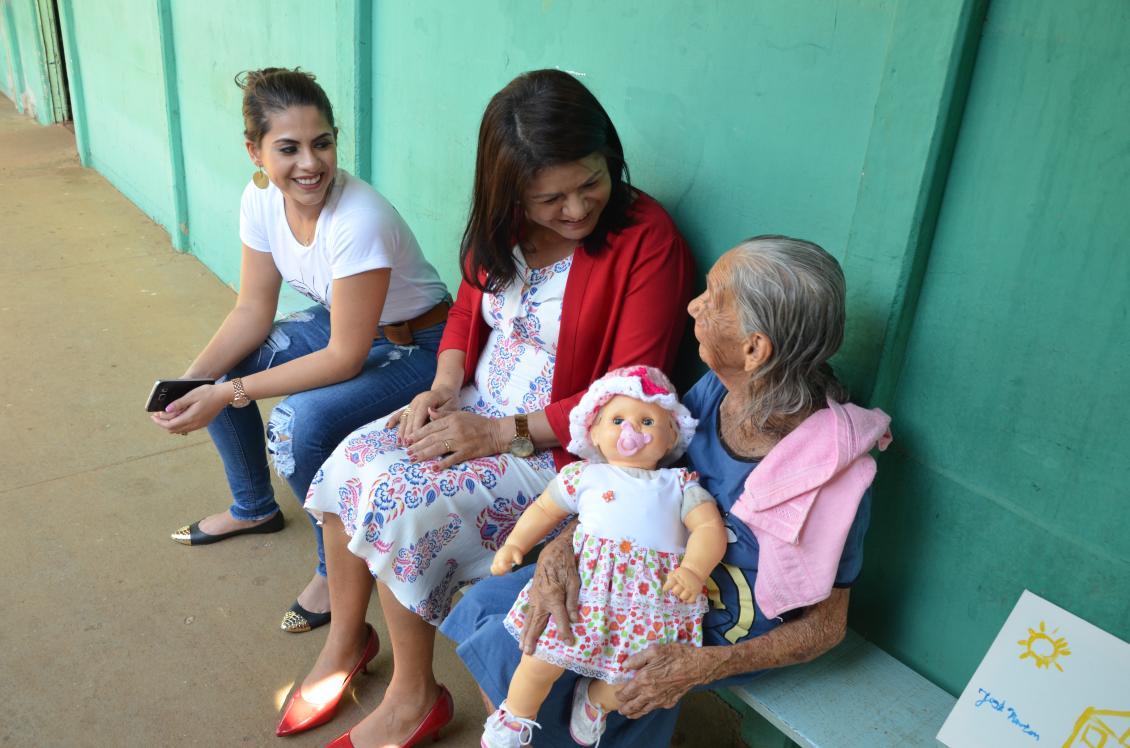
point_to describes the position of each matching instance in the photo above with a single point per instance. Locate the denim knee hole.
(280, 441)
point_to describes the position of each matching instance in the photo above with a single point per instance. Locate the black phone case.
(166, 391)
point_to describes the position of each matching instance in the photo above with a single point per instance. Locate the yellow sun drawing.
(1043, 649)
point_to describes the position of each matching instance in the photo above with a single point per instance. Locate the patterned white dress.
(426, 532)
(630, 538)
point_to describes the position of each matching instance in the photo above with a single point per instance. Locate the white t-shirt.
(357, 230)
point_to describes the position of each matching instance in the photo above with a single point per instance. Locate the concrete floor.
(115, 635)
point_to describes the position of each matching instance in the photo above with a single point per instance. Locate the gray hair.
(791, 291)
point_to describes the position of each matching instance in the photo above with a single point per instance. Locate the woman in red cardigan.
(568, 272)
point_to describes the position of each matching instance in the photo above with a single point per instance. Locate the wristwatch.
(521, 445)
(240, 399)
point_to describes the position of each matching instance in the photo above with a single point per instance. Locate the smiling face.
(566, 200)
(633, 433)
(299, 154)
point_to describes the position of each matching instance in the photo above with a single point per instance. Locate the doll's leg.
(603, 695)
(530, 685)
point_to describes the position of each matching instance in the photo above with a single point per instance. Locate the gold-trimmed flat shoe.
(193, 535)
(298, 620)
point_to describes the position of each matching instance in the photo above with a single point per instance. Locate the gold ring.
(405, 413)
(447, 446)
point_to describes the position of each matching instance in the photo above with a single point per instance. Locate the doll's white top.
(646, 507)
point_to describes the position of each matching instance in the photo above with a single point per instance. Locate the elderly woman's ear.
(756, 351)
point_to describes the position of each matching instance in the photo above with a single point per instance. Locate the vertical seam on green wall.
(363, 99)
(905, 305)
(179, 232)
(74, 81)
(354, 23)
(14, 51)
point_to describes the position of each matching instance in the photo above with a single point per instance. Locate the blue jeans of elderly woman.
(304, 428)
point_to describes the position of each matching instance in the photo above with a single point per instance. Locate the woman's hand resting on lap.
(195, 410)
(416, 415)
(455, 436)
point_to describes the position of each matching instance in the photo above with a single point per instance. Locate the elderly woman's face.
(716, 325)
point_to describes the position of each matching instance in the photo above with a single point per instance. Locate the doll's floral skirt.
(623, 610)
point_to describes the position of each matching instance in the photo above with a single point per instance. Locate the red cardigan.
(625, 305)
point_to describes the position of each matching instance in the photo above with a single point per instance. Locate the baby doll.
(646, 541)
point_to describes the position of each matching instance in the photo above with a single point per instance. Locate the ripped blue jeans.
(304, 428)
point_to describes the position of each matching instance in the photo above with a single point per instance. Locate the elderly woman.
(771, 316)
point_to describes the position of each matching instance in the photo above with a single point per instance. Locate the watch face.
(521, 447)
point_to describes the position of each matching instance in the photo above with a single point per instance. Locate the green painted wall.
(21, 51)
(117, 53)
(973, 187)
(1011, 464)
(704, 95)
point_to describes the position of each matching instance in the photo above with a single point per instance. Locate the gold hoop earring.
(260, 178)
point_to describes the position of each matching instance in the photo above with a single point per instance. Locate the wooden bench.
(855, 696)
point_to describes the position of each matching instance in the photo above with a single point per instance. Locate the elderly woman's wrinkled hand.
(553, 592)
(663, 675)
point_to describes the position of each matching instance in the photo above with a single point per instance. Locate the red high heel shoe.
(300, 715)
(438, 717)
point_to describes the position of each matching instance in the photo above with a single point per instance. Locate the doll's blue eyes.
(619, 420)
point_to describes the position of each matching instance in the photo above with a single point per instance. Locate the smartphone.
(166, 391)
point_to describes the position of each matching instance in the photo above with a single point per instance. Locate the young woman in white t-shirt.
(364, 349)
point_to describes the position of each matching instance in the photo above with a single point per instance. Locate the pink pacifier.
(631, 441)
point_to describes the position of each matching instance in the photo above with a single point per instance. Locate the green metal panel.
(741, 117)
(52, 59)
(123, 119)
(1011, 462)
(13, 62)
(26, 57)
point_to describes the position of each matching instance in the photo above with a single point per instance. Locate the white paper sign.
(1049, 679)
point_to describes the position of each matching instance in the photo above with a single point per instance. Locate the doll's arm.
(705, 548)
(534, 524)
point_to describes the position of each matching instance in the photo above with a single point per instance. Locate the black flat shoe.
(298, 620)
(192, 534)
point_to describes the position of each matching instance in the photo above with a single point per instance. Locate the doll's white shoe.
(504, 730)
(587, 721)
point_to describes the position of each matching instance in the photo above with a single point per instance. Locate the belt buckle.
(398, 334)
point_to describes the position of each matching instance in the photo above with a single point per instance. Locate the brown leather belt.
(400, 333)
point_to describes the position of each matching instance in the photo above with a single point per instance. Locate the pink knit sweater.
(802, 498)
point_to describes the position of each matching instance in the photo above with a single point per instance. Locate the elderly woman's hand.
(664, 674)
(553, 592)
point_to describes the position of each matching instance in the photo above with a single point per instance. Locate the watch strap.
(521, 426)
(239, 398)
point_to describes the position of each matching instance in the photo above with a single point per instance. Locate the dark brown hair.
(541, 118)
(272, 90)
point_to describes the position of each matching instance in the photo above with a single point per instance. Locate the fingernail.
(169, 408)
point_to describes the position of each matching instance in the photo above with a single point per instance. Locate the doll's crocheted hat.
(641, 382)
